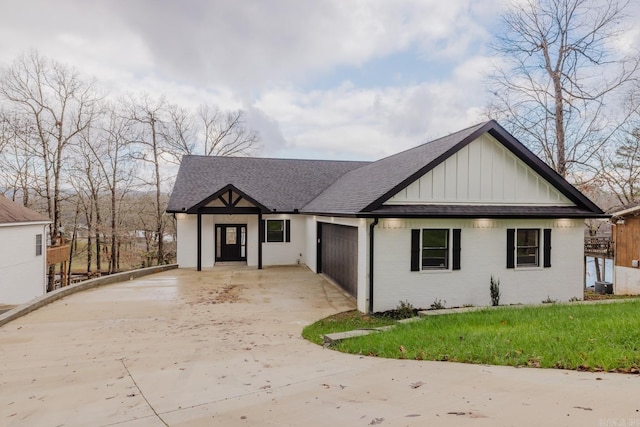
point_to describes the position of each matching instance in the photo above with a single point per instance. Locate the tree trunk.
(559, 124)
(596, 261)
(98, 240)
(159, 213)
(89, 248)
(112, 260)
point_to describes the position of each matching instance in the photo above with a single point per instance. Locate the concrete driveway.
(223, 348)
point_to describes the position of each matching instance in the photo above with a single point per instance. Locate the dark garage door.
(338, 255)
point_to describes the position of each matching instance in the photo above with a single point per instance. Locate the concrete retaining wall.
(36, 303)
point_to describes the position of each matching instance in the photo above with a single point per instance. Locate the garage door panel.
(339, 258)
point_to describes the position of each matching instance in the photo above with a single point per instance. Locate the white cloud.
(259, 55)
(355, 123)
(244, 44)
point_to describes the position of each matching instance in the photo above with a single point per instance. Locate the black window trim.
(446, 248)
(453, 250)
(543, 248)
(537, 248)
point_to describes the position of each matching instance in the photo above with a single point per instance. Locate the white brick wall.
(287, 253)
(483, 253)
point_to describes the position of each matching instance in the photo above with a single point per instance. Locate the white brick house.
(23, 253)
(431, 223)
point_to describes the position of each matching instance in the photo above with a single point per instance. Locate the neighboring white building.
(23, 253)
(431, 223)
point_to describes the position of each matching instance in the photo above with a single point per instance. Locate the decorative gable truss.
(228, 200)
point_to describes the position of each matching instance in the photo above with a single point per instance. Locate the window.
(527, 247)
(275, 230)
(38, 244)
(435, 249)
(431, 249)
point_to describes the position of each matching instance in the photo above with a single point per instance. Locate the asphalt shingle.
(280, 184)
(12, 212)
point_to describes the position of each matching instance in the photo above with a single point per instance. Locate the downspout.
(371, 226)
(261, 232)
(199, 241)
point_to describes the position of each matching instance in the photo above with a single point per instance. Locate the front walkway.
(223, 347)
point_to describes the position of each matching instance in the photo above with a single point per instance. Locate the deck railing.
(58, 254)
(598, 247)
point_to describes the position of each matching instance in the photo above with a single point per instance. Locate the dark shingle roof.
(281, 184)
(354, 188)
(12, 212)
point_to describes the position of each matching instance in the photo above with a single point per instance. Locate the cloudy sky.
(334, 79)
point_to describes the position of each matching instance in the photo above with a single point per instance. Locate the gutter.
(371, 227)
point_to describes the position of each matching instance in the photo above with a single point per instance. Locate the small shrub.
(574, 299)
(404, 310)
(494, 291)
(438, 304)
(549, 300)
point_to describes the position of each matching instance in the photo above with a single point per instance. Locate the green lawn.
(569, 336)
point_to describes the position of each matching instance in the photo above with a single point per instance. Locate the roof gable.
(482, 172)
(12, 212)
(369, 187)
(363, 188)
(375, 183)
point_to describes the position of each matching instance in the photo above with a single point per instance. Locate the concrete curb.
(50, 297)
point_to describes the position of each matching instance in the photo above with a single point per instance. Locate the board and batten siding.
(483, 253)
(627, 243)
(483, 172)
(22, 272)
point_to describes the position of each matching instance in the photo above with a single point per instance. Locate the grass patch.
(600, 337)
(342, 322)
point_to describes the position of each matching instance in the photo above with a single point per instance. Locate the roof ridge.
(232, 158)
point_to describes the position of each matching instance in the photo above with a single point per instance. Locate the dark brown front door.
(231, 242)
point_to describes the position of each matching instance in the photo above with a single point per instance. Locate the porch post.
(199, 241)
(260, 238)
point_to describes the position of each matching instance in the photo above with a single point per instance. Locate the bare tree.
(620, 168)
(18, 174)
(557, 70)
(225, 132)
(59, 105)
(209, 132)
(5, 131)
(151, 117)
(88, 183)
(113, 161)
